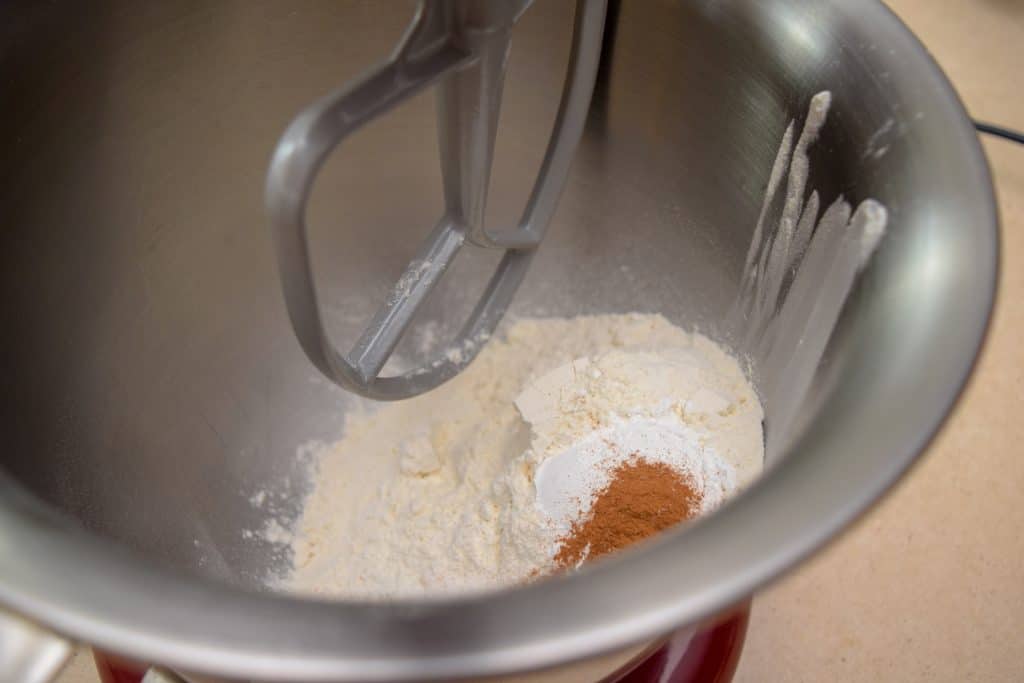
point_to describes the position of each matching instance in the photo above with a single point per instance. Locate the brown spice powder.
(643, 498)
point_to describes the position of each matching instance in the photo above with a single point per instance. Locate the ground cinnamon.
(641, 499)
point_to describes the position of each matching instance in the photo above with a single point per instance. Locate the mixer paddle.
(462, 46)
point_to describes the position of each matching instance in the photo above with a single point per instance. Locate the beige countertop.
(929, 585)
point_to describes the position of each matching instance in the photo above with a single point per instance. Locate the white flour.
(439, 493)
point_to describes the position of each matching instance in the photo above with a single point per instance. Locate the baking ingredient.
(642, 499)
(572, 477)
(473, 485)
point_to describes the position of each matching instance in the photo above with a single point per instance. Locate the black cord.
(1014, 135)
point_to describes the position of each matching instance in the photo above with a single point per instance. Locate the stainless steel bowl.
(153, 383)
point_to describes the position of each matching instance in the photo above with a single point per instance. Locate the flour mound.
(437, 494)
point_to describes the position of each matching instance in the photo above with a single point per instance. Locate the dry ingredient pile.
(642, 499)
(565, 440)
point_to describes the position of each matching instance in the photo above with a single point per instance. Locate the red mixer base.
(708, 656)
(113, 669)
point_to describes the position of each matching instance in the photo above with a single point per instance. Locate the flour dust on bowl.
(161, 421)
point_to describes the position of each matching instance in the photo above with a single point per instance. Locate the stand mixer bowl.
(154, 386)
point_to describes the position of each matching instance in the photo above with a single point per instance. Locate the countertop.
(930, 584)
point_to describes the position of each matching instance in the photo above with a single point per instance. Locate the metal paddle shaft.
(462, 46)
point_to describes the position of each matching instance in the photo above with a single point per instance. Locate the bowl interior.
(154, 385)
